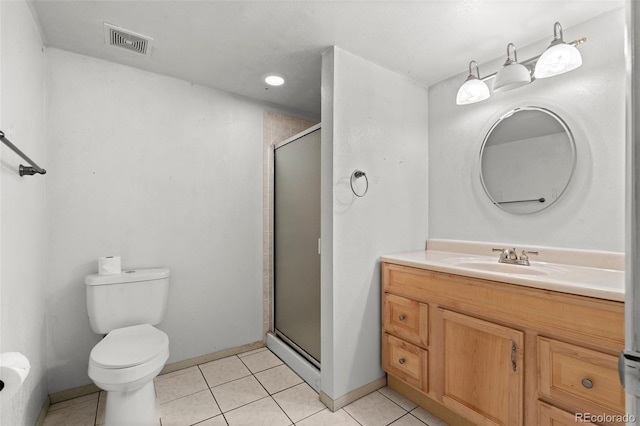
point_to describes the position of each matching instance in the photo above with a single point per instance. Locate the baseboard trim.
(43, 411)
(211, 357)
(344, 400)
(73, 393)
(432, 406)
(91, 388)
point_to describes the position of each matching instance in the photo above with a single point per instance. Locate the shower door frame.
(306, 356)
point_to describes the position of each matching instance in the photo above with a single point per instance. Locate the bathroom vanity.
(500, 345)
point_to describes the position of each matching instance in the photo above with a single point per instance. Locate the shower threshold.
(302, 366)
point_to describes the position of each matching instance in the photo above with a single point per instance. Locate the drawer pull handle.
(587, 383)
(401, 317)
(401, 360)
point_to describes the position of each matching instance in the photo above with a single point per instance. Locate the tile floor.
(253, 388)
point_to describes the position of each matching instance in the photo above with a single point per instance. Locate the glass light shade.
(473, 90)
(274, 80)
(558, 59)
(511, 76)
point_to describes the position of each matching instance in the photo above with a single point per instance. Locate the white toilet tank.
(129, 298)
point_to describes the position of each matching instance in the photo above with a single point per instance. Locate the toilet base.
(133, 408)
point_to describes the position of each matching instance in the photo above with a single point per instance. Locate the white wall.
(163, 173)
(376, 121)
(23, 211)
(590, 99)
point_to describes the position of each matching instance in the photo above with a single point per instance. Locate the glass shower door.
(296, 244)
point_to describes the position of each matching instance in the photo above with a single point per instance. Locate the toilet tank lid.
(128, 276)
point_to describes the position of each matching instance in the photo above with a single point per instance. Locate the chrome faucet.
(511, 257)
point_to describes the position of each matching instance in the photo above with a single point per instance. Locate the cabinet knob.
(401, 360)
(401, 317)
(587, 383)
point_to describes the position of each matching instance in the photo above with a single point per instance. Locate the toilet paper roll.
(109, 265)
(14, 369)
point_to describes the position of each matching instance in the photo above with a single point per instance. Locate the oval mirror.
(527, 160)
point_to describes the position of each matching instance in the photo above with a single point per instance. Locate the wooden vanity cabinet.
(501, 354)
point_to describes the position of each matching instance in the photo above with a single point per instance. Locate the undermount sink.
(505, 268)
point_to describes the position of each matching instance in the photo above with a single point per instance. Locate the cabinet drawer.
(406, 318)
(581, 378)
(405, 361)
(549, 415)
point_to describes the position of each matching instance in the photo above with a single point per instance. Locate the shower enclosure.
(297, 244)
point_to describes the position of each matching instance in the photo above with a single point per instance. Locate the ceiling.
(230, 45)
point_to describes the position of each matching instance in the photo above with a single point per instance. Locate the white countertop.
(577, 279)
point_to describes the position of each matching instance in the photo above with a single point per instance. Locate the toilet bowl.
(125, 307)
(124, 364)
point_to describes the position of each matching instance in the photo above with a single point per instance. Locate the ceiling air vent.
(119, 37)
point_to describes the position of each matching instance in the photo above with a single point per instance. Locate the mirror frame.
(572, 143)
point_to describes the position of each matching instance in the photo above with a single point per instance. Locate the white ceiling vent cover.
(119, 37)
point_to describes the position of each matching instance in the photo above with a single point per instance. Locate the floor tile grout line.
(282, 409)
(215, 401)
(185, 370)
(271, 368)
(229, 381)
(269, 393)
(207, 419)
(224, 383)
(312, 414)
(293, 386)
(95, 418)
(244, 405)
(349, 414)
(284, 389)
(183, 396)
(406, 411)
(281, 390)
(420, 420)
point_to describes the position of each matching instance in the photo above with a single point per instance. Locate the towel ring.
(356, 175)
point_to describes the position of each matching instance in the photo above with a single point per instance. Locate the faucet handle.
(504, 253)
(507, 255)
(524, 258)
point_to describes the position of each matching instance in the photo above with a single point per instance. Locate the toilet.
(125, 307)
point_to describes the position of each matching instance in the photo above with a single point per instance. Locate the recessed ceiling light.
(274, 80)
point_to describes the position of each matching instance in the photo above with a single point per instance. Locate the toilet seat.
(129, 346)
(128, 357)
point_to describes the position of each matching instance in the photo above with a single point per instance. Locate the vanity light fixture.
(560, 57)
(474, 89)
(512, 74)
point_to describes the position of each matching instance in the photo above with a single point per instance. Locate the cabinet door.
(483, 370)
